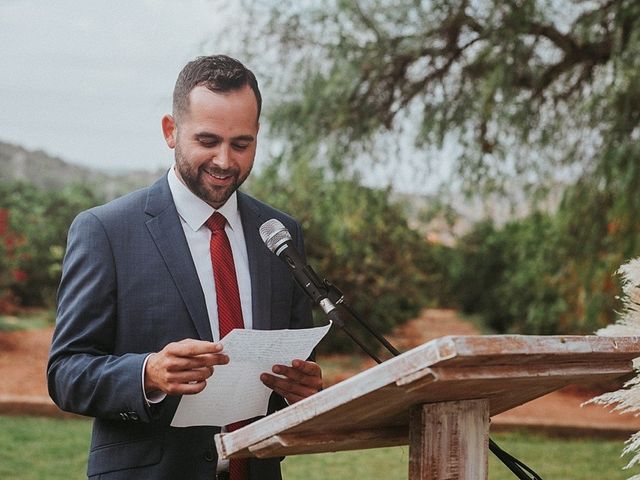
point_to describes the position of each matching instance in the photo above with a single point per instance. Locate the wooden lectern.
(437, 397)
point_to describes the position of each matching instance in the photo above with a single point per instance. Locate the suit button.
(209, 456)
(133, 416)
(124, 416)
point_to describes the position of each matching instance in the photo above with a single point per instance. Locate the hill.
(456, 215)
(46, 171)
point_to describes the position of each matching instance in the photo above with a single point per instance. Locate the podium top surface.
(372, 408)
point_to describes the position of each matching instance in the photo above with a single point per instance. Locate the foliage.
(510, 276)
(529, 88)
(356, 237)
(37, 221)
(10, 274)
(539, 95)
(359, 240)
(542, 274)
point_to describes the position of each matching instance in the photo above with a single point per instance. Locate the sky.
(89, 81)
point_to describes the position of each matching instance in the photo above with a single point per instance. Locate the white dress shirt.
(194, 212)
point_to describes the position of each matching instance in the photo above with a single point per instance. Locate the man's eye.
(240, 146)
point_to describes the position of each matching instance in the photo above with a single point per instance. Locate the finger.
(190, 388)
(289, 372)
(176, 364)
(167, 381)
(190, 347)
(290, 397)
(190, 376)
(308, 367)
(299, 376)
(207, 360)
(273, 385)
(287, 387)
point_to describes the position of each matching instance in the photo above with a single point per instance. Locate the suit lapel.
(167, 233)
(259, 263)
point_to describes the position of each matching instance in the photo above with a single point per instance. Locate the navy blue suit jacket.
(129, 287)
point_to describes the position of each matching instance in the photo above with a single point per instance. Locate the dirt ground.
(23, 361)
(23, 357)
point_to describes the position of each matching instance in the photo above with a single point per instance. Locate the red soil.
(23, 358)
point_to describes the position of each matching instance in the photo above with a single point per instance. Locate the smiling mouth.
(221, 176)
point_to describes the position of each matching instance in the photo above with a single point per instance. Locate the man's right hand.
(182, 368)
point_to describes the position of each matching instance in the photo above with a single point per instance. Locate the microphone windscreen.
(274, 234)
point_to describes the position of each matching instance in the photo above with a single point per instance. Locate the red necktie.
(229, 309)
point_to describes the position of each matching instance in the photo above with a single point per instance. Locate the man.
(145, 295)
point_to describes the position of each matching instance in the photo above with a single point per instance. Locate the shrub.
(36, 223)
(360, 241)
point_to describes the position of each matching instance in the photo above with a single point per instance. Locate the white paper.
(234, 392)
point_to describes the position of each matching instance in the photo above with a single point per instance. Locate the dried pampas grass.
(627, 399)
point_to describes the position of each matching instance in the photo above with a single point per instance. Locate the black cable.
(370, 329)
(519, 469)
(340, 324)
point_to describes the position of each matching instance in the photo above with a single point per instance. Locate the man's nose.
(222, 158)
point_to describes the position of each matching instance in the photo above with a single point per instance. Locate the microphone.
(278, 239)
(323, 293)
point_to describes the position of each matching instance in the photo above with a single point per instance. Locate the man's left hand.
(301, 380)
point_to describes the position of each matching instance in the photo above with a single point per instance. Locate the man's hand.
(182, 368)
(301, 380)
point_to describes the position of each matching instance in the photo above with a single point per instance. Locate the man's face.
(215, 142)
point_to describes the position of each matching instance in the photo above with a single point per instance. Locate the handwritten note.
(235, 391)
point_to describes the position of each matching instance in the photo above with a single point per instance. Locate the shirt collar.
(195, 211)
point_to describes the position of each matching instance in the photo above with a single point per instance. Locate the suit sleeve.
(84, 375)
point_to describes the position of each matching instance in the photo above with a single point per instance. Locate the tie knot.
(216, 222)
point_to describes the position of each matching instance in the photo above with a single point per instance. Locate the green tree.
(529, 88)
(361, 242)
(10, 273)
(543, 274)
(514, 277)
(535, 93)
(39, 220)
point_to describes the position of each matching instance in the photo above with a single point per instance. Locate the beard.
(195, 178)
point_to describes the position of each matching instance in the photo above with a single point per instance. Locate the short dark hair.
(218, 73)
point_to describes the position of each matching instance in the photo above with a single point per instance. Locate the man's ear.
(169, 130)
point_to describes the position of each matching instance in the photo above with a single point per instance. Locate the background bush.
(548, 273)
(361, 241)
(355, 236)
(36, 222)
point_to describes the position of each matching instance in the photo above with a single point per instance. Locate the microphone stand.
(336, 297)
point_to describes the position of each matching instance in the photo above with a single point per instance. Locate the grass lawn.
(51, 449)
(43, 448)
(551, 458)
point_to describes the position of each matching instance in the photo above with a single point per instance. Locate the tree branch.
(368, 22)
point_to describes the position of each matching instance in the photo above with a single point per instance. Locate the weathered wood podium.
(437, 397)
